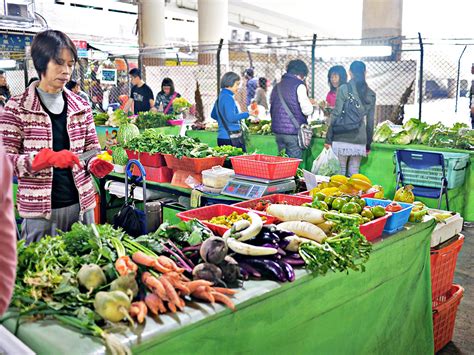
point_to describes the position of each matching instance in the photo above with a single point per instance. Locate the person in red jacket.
(7, 233)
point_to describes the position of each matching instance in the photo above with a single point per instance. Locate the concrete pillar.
(213, 21)
(152, 37)
(382, 18)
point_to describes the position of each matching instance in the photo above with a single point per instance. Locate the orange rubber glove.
(100, 168)
(47, 158)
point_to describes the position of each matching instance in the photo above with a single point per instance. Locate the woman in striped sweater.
(50, 138)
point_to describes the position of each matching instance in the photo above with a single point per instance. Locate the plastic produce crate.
(445, 231)
(155, 160)
(398, 219)
(195, 165)
(374, 229)
(443, 264)
(456, 166)
(132, 154)
(206, 213)
(265, 166)
(162, 174)
(277, 198)
(444, 316)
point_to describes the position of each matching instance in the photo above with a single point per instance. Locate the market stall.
(387, 308)
(461, 198)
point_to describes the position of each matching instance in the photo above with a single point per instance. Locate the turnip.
(304, 229)
(112, 306)
(213, 250)
(126, 284)
(209, 272)
(91, 277)
(296, 213)
(230, 271)
(294, 243)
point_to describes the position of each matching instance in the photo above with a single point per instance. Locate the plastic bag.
(326, 163)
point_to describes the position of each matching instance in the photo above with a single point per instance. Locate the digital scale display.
(250, 190)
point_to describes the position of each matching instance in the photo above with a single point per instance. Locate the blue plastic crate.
(456, 167)
(398, 219)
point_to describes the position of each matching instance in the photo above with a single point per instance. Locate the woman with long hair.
(336, 77)
(354, 143)
(166, 96)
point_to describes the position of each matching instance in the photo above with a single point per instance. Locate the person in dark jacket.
(226, 109)
(295, 94)
(251, 85)
(4, 89)
(351, 146)
(166, 96)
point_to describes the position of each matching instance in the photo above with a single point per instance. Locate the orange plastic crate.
(445, 308)
(206, 213)
(155, 160)
(265, 166)
(443, 264)
(162, 174)
(195, 165)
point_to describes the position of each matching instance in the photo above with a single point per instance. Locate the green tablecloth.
(378, 166)
(386, 309)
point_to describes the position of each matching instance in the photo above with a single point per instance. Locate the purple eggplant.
(250, 270)
(269, 245)
(293, 255)
(283, 243)
(293, 261)
(244, 273)
(288, 270)
(268, 267)
(281, 252)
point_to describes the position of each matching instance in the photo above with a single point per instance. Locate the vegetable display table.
(378, 166)
(386, 309)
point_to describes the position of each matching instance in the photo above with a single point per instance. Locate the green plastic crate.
(456, 166)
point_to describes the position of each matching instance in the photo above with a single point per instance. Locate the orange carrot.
(178, 285)
(203, 294)
(141, 312)
(172, 307)
(153, 303)
(159, 267)
(225, 291)
(124, 265)
(170, 291)
(154, 284)
(193, 285)
(143, 259)
(219, 297)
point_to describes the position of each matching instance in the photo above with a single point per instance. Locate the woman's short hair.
(297, 67)
(71, 84)
(167, 82)
(47, 46)
(341, 72)
(228, 79)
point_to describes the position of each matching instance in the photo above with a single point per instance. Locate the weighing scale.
(249, 187)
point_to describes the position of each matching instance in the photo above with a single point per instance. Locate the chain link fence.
(394, 75)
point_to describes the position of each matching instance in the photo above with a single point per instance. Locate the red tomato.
(393, 207)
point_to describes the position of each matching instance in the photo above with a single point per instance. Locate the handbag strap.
(222, 118)
(287, 109)
(170, 103)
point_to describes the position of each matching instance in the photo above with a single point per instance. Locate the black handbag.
(351, 117)
(130, 219)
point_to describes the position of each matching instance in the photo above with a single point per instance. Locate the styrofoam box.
(445, 231)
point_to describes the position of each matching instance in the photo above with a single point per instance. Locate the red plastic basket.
(162, 174)
(265, 166)
(374, 229)
(444, 316)
(207, 212)
(443, 264)
(175, 122)
(132, 154)
(277, 198)
(195, 165)
(155, 160)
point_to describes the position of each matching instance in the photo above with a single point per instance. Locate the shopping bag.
(326, 163)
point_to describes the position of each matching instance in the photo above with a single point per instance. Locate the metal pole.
(313, 60)
(457, 79)
(420, 95)
(25, 72)
(219, 65)
(249, 55)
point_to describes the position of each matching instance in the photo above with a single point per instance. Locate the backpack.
(351, 117)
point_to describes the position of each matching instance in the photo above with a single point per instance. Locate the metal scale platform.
(249, 187)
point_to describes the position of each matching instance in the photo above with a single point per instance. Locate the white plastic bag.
(326, 163)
